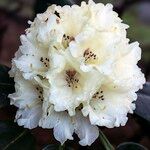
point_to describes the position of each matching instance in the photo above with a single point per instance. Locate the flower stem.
(105, 141)
(15, 140)
(61, 147)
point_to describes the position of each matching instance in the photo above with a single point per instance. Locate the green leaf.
(57, 147)
(131, 146)
(4, 76)
(143, 102)
(105, 141)
(51, 147)
(13, 137)
(5, 89)
(6, 86)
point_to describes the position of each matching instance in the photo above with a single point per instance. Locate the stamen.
(98, 96)
(66, 40)
(45, 61)
(80, 107)
(71, 78)
(57, 14)
(89, 55)
(40, 93)
(46, 20)
(41, 59)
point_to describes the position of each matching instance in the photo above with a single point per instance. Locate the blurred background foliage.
(14, 15)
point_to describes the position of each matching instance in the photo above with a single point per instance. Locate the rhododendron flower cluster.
(76, 70)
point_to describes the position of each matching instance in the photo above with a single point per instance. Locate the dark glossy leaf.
(57, 147)
(146, 89)
(143, 102)
(13, 137)
(5, 89)
(105, 141)
(51, 147)
(131, 146)
(4, 101)
(6, 86)
(4, 77)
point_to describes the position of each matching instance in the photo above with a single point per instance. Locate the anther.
(46, 20)
(57, 14)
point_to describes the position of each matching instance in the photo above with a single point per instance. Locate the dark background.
(14, 15)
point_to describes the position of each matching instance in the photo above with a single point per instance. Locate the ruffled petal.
(29, 117)
(26, 94)
(60, 121)
(129, 75)
(87, 133)
(109, 107)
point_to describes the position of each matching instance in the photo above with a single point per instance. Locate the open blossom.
(76, 70)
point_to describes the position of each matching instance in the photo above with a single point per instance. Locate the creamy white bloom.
(64, 125)
(92, 49)
(35, 109)
(30, 60)
(70, 86)
(28, 98)
(76, 70)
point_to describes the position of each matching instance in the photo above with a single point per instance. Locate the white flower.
(33, 60)
(64, 125)
(70, 86)
(28, 98)
(76, 70)
(129, 75)
(92, 49)
(31, 97)
(109, 107)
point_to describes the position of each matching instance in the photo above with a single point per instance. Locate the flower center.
(89, 56)
(71, 78)
(40, 93)
(45, 61)
(66, 40)
(98, 96)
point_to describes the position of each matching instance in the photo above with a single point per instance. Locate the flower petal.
(87, 133)
(29, 117)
